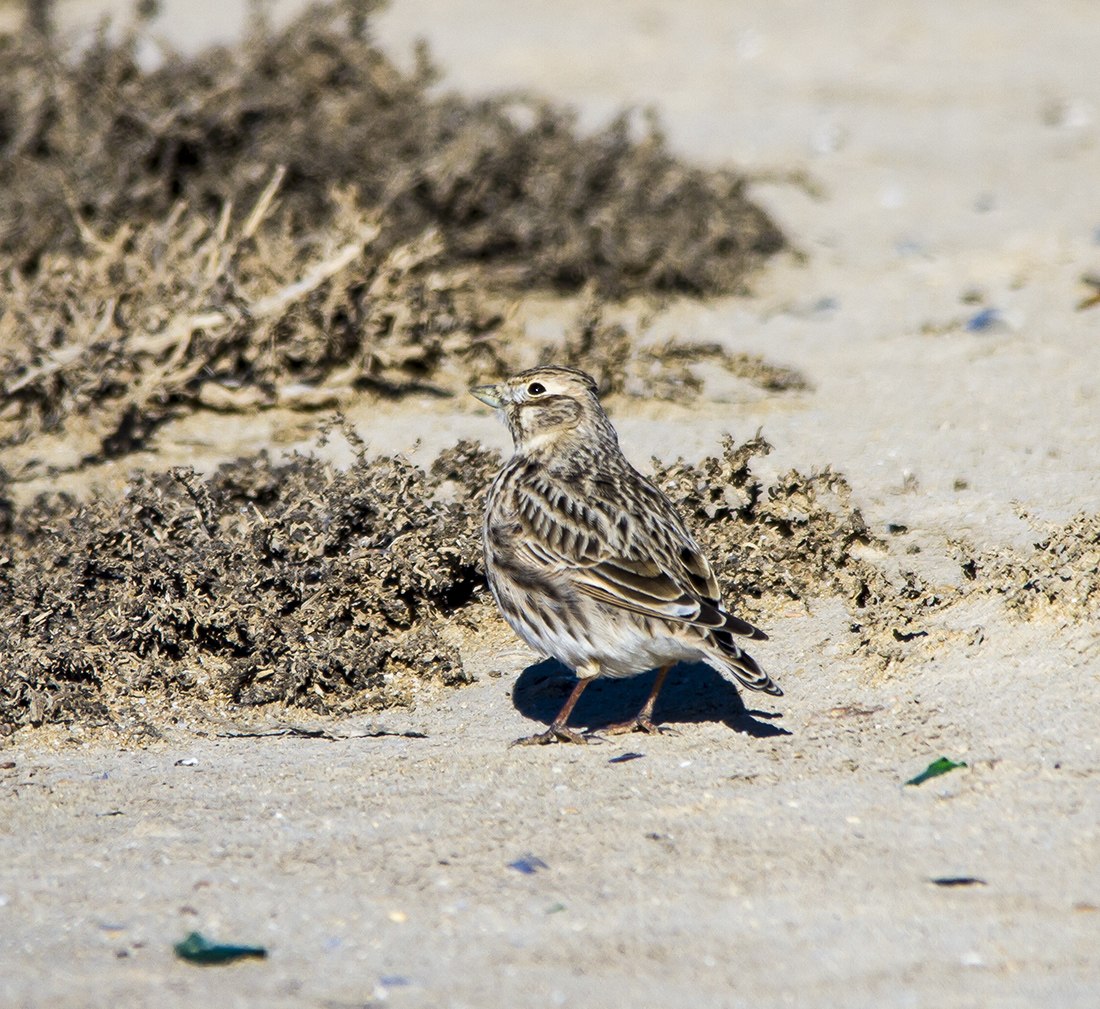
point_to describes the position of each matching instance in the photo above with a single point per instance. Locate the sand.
(768, 856)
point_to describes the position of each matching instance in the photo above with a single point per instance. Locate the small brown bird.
(588, 561)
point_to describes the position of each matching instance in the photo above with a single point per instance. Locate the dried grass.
(293, 218)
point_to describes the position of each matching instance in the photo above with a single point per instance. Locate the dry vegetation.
(291, 582)
(294, 218)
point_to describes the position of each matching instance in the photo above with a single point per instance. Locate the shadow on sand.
(693, 692)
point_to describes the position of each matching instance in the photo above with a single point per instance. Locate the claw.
(554, 734)
(640, 724)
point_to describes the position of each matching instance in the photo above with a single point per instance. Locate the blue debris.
(910, 247)
(528, 864)
(987, 318)
(959, 881)
(622, 758)
(394, 981)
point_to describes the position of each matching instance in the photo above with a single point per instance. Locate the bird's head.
(548, 406)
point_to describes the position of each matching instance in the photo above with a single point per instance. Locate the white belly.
(619, 643)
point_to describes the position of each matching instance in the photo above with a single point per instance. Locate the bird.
(589, 562)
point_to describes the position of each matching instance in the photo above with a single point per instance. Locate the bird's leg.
(643, 721)
(558, 731)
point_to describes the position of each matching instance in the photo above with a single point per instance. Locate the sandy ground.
(763, 857)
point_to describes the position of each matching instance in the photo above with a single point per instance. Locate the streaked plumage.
(589, 561)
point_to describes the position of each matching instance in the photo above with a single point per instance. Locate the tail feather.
(744, 668)
(713, 616)
(736, 625)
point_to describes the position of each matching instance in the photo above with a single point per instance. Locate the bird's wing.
(651, 565)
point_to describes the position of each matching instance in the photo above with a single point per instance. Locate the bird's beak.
(489, 395)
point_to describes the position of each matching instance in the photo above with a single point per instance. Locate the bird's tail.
(733, 659)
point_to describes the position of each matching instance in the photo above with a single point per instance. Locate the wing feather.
(657, 570)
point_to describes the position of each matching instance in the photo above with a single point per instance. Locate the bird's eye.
(536, 389)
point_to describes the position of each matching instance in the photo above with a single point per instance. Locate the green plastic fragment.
(934, 770)
(196, 948)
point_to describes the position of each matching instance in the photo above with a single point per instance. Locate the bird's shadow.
(693, 692)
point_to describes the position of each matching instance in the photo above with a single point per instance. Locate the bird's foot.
(554, 734)
(640, 724)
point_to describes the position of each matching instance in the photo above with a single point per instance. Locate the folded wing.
(657, 571)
